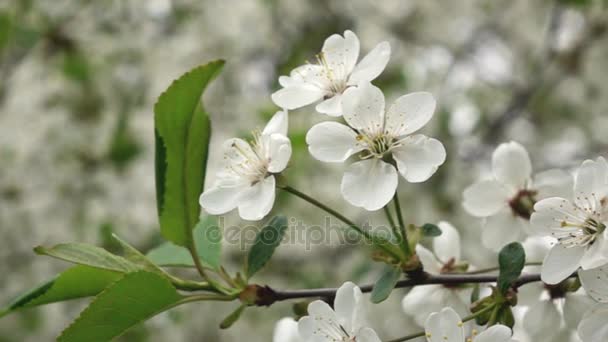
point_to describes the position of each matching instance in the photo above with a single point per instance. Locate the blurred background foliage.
(78, 80)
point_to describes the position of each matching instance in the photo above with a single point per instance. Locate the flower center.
(332, 330)
(336, 78)
(522, 204)
(253, 166)
(584, 233)
(377, 145)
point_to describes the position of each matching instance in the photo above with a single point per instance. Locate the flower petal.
(541, 319)
(596, 254)
(444, 326)
(552, 183)
(549, 214)
(419, 157)
(410, 113)
(560, 263)
(429, 263)
(258, 200)
(286, 330)
(371, 65)
(332, 142)
(348, 308)
(511, 165)
(367, 335)
(591, 184)
(593, 327)
(341, 53)
(221, 199)
(277, 124)
(363, 107)
(369, 184)
(447, 245)
(297, 95)
(575, 306)
(485, 198)
(279, 152)
(332, 106)
(501, 229)
(495, 333)
(595, 282)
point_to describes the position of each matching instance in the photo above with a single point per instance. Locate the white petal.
(363, 107)
(549, 214)
(369, 184)
(416, 302)
(444, 326)
(258, 200)
(371, 65)
(286, 330)
(593, 327)
(429, 263)
(560, 263)
(277, 124)
(279, 152)
(332, 106)
(297, 95)
(495, 333)
(419, 157)
(575, 306)
(542, 318)
(596, 254)
(447, 245)
(332, 142)
(341, 53)
(591, 183)
(511, 164)
(220, 199)
(595, 282)
(367, 335)
(237, 151)
(553, 183)
(347, 305)
(322, 310)
(307, 327)
(485, 198)
(286, 81)
(501, 229)
(410, 113)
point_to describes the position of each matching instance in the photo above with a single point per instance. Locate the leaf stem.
(391, 221)
(404, 243)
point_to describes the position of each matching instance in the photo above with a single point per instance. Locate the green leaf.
(208, 240)
(385, 285)
(265, 243)
(135, 256)
(76, 282)
(431, 230)
(182, 131)
(511, 260)
(233, 317)
(131, 300)
(80, 253)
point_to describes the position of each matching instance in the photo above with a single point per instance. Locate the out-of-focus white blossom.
(593, 327)
(446, 326)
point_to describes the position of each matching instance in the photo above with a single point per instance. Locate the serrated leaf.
(182, 131)
(511, 261)
(385, 285)
(208, 240)
(233, 317)
(136, 257)
(76, 282)
(133, 299)
(265, 244)
(431, 230)
(83, 254)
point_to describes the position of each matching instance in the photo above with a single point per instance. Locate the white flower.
(247, 179)
(423, 300)
(286, 330)
(593, 327)
(446, 326)
(506, 201)
(595, 282)
(579, 226)
(378, 135)
(346, 323)
(336, 71)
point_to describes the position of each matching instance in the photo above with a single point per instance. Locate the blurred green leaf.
(233, 317)
(80, 253)
(182, 131)
(123, 146)
(429, 229)
(265, 244)
(131, 300)
(76, 282)
(208, 240)
(511, 261)
(385, 285)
